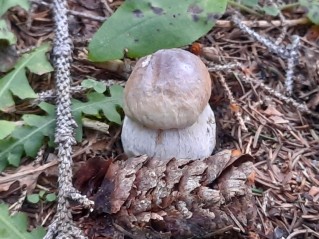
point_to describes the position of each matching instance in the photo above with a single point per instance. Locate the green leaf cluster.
(15, 227)
(312, 7)
(16, 82)
(7, 4)
(42, 195)
(99, 87)
(6, 34)
(141, 27)
(27, 138)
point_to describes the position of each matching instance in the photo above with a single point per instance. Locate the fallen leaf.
(26, 176)
(271, 110)
(278, 120)
(313, 191)
(313, 33)
(234, 107)
(251, 178)
(236, 153)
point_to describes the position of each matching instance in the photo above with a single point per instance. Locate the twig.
(219, 232)
(289, 53)
(107, 7)
(85, 15)
(264, 24)
(278, 95)
(39, 158)
(63, 226)
(15, 208)
(227, 67)
(96, 125)
(291, 63)
(232, 102)
(283, 20)
(281, 51)
(298, 232)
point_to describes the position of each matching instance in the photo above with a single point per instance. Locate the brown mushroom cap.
(167, 90)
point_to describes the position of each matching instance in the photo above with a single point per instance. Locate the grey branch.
(63, 226)
(289, 53)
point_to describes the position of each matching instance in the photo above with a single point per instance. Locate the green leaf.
(5, 33)
(51, 197)
(99, 103)
(6, 4)
(28, 138)
(15, 227)
(6, 128)
(41, 193)
(140, 27)
(99, 87)
(271, 10)
(16, 82)
(8, 53)
(250, 3)
(33, 198)
(312, 7)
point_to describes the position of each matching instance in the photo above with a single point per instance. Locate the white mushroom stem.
(195, 142)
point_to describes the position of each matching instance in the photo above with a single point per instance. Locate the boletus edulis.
(166, 107)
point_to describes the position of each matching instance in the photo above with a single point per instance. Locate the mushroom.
(166, 107)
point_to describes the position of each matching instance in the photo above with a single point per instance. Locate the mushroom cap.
(167, 90)
(194, 142)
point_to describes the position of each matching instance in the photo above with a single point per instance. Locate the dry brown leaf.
(314, 102)
(271, 110)
(278, 120)
(26, 176)
(313, 191)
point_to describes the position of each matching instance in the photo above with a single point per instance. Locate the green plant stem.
(243, 7)
(290, 5)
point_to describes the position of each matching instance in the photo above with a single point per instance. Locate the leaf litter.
(285, 171)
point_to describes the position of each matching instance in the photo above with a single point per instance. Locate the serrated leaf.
(15, 227)
(312, 7)
(33, 198)
(6, 34)
(99, 87)
(6, 128)
(271, 10)
(99, 103)
(6, 4)
(27, 139)
(8, 56)
(140, 27)
(16, 82)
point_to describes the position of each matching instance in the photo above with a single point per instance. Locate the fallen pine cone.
(176, 198)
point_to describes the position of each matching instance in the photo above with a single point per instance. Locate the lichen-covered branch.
(289, 53)
(62, 226)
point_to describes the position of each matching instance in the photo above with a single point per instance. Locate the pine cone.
(150, 198)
